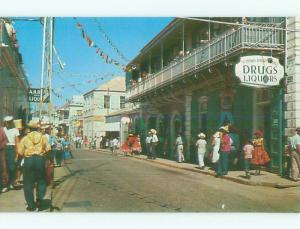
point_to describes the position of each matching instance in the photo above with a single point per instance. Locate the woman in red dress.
(136, 147)
(127, 145)
(259, 157)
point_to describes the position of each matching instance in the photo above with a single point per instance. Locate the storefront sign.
(259, 71)
(34, 95)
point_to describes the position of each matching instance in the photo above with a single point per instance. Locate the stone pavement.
(265, 179)
(14, 201)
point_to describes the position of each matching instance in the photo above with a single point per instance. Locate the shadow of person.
(46, 204)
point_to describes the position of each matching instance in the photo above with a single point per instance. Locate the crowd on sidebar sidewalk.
(28, 154)
(222, 152)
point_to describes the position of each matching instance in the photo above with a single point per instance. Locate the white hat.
(153, 131)
(45, 126)
(8, 118)
(201, 135)
(217, 134)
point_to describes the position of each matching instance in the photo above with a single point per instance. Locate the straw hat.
(18, 123)
(153, 131)
(8, 118)
(201, 135)
(33, 124)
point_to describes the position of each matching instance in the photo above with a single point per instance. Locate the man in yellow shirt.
(33, 147)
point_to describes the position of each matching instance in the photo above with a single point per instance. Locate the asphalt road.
(101, 182)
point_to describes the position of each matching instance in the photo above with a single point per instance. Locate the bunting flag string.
(101, 30)
(99, 52)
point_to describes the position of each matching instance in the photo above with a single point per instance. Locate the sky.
(128, 34)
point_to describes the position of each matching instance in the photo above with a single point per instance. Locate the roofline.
(157, 38)
(102, 90)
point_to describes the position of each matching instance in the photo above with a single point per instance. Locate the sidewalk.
(265, 179)
(14, 201)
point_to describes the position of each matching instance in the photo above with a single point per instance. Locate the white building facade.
(100, 102)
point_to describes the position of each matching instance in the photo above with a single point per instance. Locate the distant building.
(14, 83)
(98, 103)
(76, 116)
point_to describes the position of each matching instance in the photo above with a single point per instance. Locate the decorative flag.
(89, 41)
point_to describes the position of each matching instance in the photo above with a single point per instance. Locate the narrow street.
(101, 182)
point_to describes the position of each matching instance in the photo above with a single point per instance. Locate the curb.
(62, 191)
(233, 179)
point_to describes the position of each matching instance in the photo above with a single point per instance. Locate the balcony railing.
(250, 37)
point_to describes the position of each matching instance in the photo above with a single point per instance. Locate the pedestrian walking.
(3, 168)
(216, 144)
(20, 160)
(58, 148)
(115, 143)
(179, 149)
(201, 149)
(85, 142)
(11, 154)
(34, 146)
(260, 156)
(248, 150)
(153, 144)
(148, 141)
(222, 167)
(294, 156)
(136, 147)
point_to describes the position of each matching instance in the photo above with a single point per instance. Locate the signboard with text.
(259, 71)
(34, 95)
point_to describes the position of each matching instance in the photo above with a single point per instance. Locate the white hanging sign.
(259, 71)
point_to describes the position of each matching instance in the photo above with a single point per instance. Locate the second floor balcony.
(227, 45)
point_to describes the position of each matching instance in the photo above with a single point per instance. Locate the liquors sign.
(259, 71)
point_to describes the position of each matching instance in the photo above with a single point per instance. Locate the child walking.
(248, 150)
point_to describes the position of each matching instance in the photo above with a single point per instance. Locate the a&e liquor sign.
(259, 71)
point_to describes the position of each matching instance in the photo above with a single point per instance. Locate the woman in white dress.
(216, 143)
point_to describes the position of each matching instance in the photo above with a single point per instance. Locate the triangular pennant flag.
(89, 41)
(79, 26)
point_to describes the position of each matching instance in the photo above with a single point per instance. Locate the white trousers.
(180, 153)
(200, 158)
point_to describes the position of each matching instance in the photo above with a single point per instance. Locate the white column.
(292, 98)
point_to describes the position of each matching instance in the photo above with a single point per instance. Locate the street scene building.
(161, 114)
(102, 101)
(14, 82)
(185, 82)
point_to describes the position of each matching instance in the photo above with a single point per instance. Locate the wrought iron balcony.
(249, 37)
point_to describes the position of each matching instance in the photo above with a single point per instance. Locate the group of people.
(25, 152)
(222, 147)
(132, 145)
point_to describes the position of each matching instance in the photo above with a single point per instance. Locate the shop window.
(122, 101)
(106, 101)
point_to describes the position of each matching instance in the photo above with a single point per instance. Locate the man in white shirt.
(148, 141)
(153, 144)
(11, 153)
(179, 148)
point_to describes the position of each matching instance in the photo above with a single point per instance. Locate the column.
(187, 124)
(292, 97)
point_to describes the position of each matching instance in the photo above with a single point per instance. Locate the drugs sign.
(259, 71)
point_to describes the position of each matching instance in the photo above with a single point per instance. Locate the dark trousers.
(3, 170)
(34, 172)
(10, 154)
(58, 156)
(222, 168)
(153, 151)
(247, 163)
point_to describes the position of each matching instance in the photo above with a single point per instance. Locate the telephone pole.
(47, 67)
